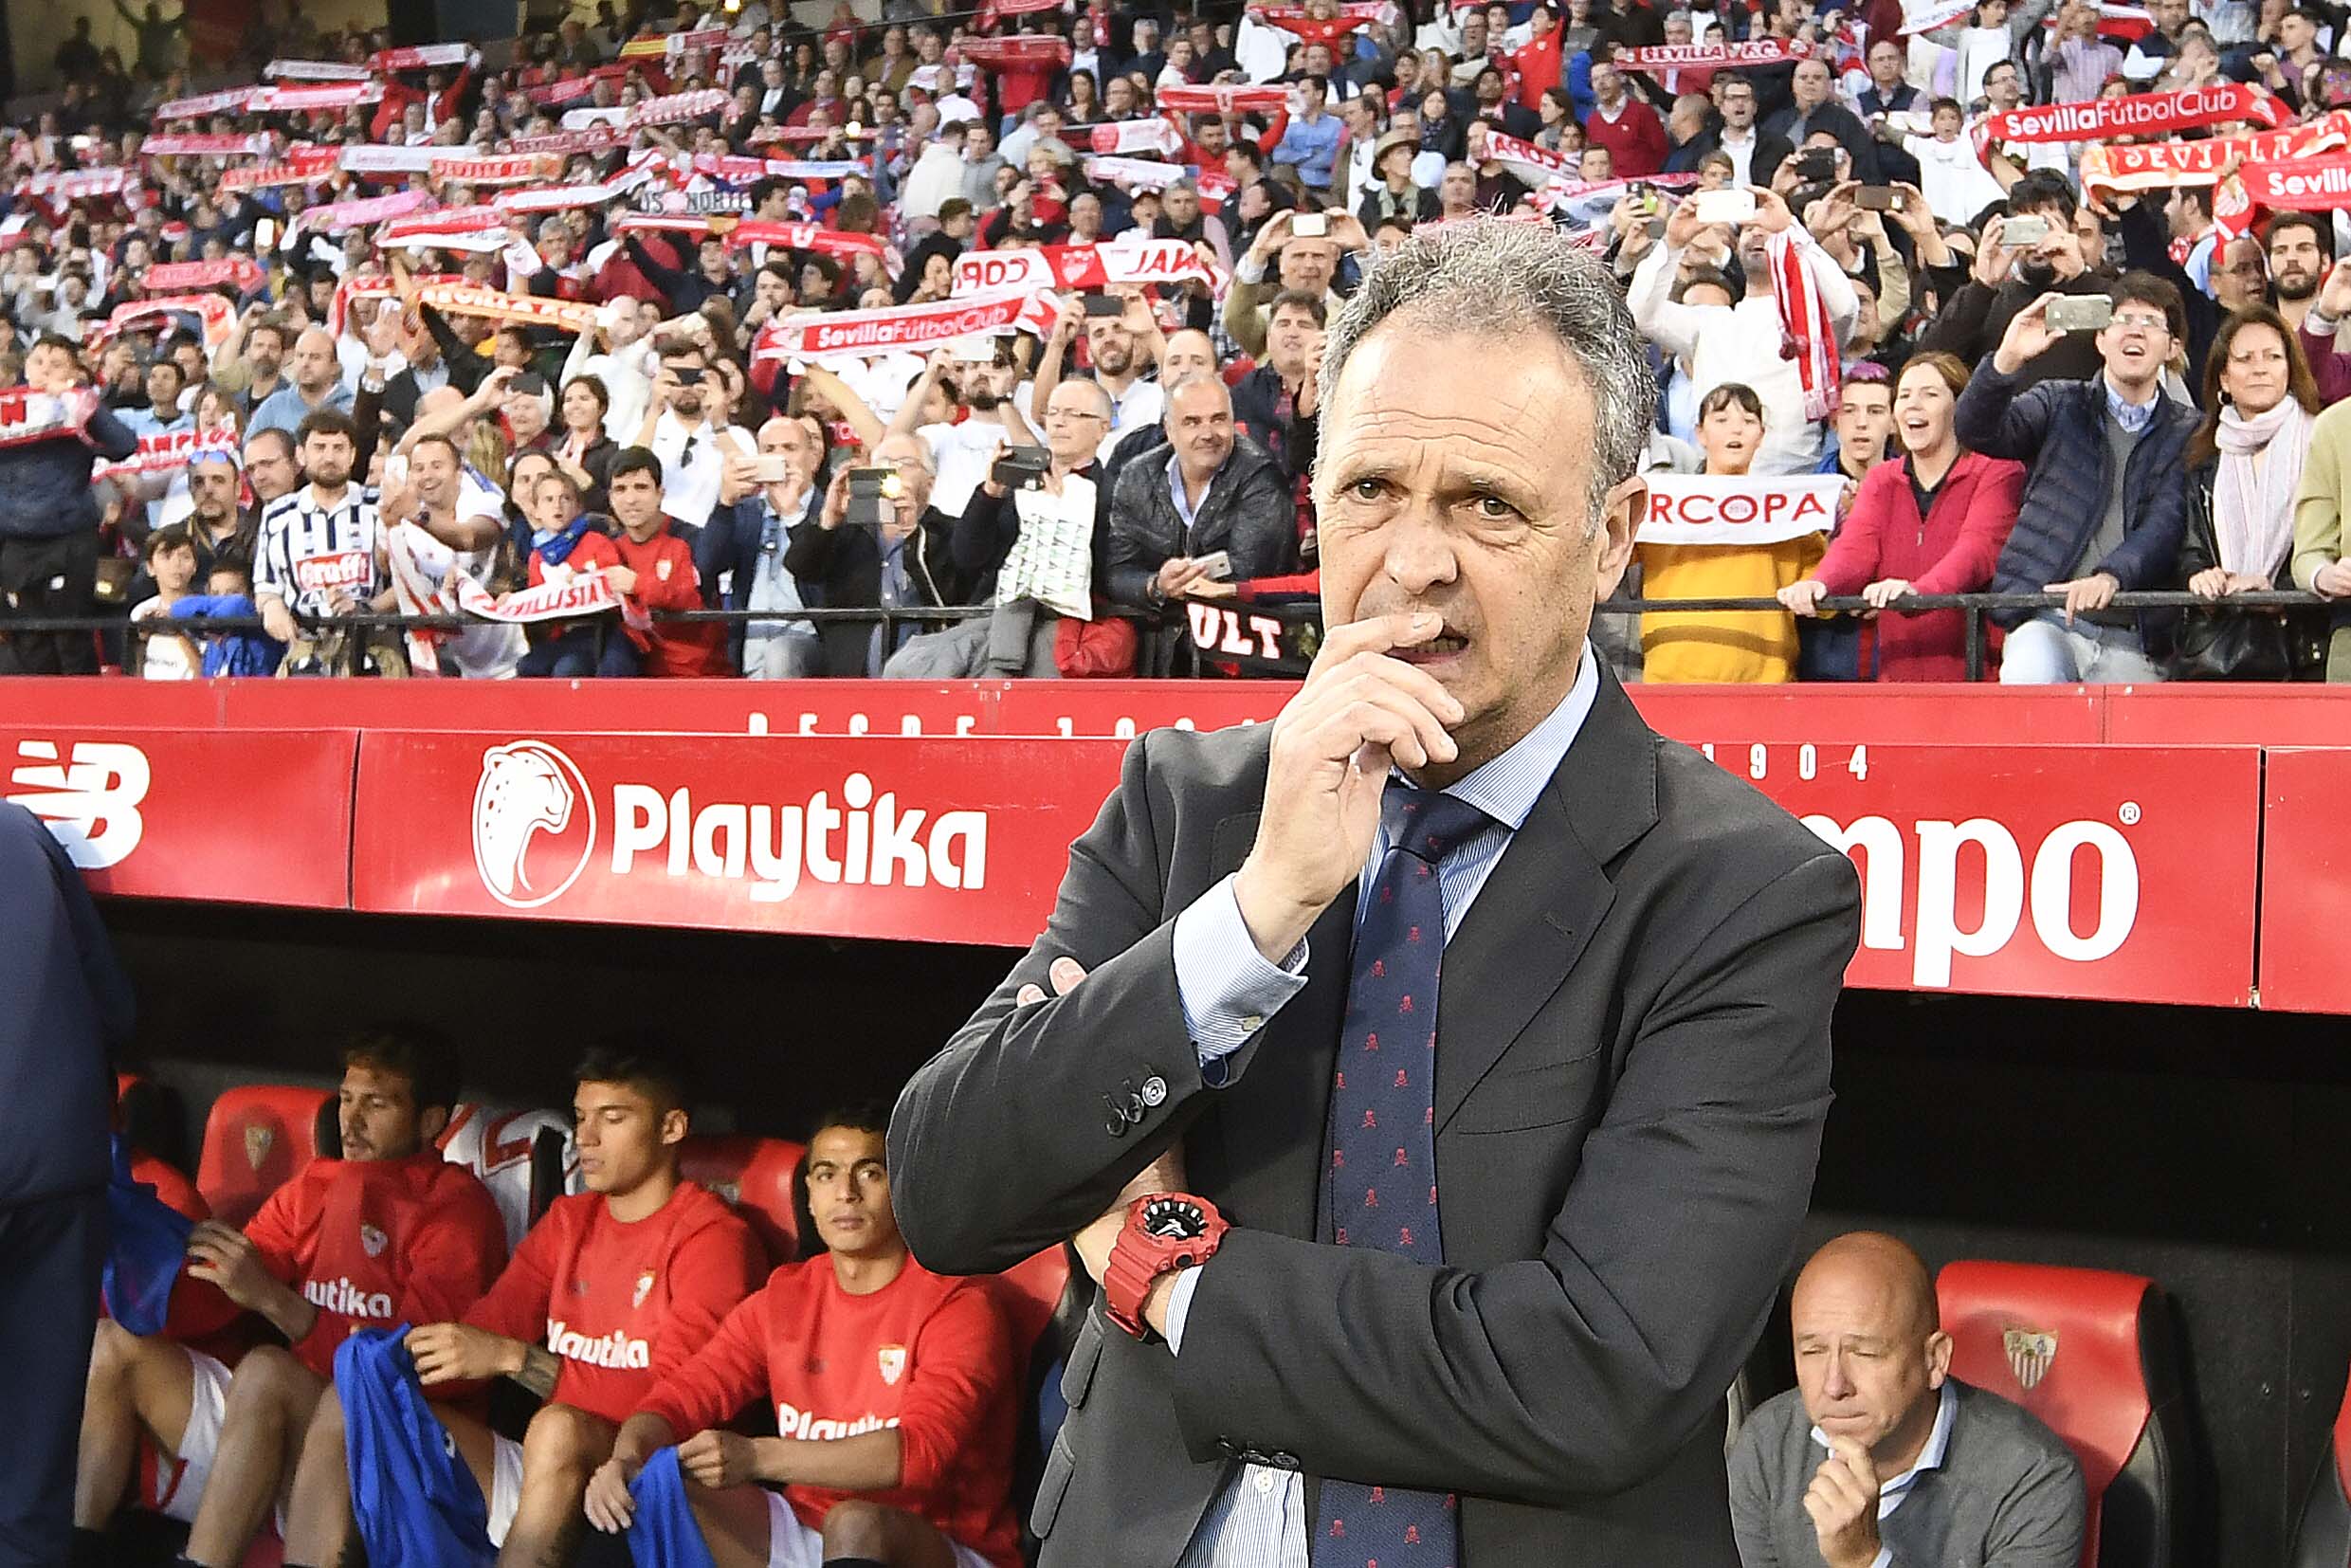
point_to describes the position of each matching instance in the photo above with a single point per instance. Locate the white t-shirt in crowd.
(166, 658)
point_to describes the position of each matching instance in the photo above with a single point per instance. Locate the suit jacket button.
(1283, 1461)
(1135, 1107)
(1154, 1091)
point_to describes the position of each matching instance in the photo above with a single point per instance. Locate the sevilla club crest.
(645, 1288)
(258, 1140)
(892, 1359)
(373, 1240)
(2030, 1353)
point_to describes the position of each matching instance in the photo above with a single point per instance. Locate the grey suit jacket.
(1631, 1075)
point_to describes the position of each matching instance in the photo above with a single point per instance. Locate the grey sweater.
(2008, 1494)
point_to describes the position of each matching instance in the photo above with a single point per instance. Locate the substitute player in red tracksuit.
(391, 1232)
(656, 572)
(613, 1289)
(894, 1395)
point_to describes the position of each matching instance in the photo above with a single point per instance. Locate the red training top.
(924, 1354)
(666, 580)
(622, 1303)
(375, 1242)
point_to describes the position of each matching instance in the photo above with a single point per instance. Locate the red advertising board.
(911, 840)
(2109, 873)
(2038, 872)
(2306, 892)
(177, 813)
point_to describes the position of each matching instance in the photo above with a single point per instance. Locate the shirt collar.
(1930, 1455)
(1506, 787)
(2133, 417)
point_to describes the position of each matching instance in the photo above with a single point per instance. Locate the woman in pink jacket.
(1930, 522)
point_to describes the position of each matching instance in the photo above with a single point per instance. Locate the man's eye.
(1496, 508)
(1365, 489)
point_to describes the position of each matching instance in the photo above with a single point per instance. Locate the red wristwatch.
(1165, 1232)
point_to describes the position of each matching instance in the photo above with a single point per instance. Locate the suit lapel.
(1545, 896)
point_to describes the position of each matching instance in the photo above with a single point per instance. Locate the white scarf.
(2253, 503)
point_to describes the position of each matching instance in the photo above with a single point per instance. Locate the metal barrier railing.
(1974, 608)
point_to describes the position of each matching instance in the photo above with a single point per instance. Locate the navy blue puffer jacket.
(2057, 429)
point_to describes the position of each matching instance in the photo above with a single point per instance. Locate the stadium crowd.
(1014, 317)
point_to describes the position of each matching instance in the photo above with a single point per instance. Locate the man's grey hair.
(1498, 279)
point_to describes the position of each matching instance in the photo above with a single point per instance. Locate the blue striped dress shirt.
(1228, 991)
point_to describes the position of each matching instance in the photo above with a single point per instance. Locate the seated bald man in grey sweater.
(1880, 1458)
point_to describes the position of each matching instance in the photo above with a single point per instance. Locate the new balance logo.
(340, 1295)
(89, 803)
(614, 1350)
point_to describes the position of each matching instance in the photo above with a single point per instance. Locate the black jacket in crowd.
(1247, 512)
(45, 485)
(844, 565)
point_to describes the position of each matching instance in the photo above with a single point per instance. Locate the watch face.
(1174, 1218)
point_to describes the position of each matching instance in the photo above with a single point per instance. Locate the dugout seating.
(2094, 1354)
(255, 1139)
(2323, 1538)
(759, 1178)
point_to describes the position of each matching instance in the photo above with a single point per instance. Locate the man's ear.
(1621, 515)
(431, 1124)
(1938, 1359)
(675, 1126)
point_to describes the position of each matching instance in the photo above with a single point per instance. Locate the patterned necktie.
(1379, 1188)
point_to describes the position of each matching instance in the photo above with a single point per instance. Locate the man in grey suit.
(1621, 1098)
(1879, 1457)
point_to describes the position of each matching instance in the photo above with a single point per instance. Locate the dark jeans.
(50, 1251)
(40, 578)
(573, 656)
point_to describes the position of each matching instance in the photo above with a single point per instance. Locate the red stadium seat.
(2322, 1539)
(760, 1176)
(2093, 1355)
(257, 1136)
(1030, 1293)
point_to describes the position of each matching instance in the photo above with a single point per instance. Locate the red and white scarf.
(1686, 56)
(864, 334)
(426, 580)
(1221, 97)
(228, 101)
(167, 452)
(1804, 316)
(326, 94)
(1127, 137)
(2127, 168)
(678, 107)
(477, 229)
(242, 273)
(421, 57)
(28, 416)
(314, 70)
(1081, 266)
(204, 146)
(2134, 114)
(340, 216)
(1021, 51)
